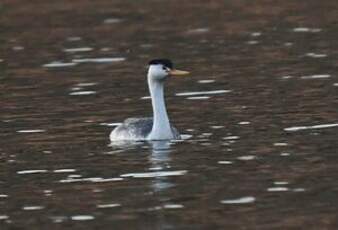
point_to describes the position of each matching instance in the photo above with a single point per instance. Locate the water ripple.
(34, 171)
(318, 76)
(198, 98)
(4, 217)
(57, 64)
(155, 174)
(31, 131)
(242, 200)
(80, 49)
(91, 179)
(298, 128)
(278, 189)
(207, 81)
(82, 93)
(305, 29)
(203, 92)
(32, 208)
(82, 217)
(99, 60)
(108, 205)
(173, 206)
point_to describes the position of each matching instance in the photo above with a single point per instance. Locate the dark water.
(262, 146)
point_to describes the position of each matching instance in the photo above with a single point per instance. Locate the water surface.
(259, 114)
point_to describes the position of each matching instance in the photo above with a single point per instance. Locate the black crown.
(165, 62)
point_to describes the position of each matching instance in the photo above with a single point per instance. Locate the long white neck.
(161, 126)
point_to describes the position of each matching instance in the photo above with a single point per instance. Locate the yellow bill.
(176, 72)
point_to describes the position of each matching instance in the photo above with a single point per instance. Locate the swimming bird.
(157, 127)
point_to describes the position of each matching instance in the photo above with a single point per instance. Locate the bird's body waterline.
(157, 127)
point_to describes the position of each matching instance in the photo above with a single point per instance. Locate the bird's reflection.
(160, 151)
(159, 159)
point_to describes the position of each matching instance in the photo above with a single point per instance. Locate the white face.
(158, 72)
